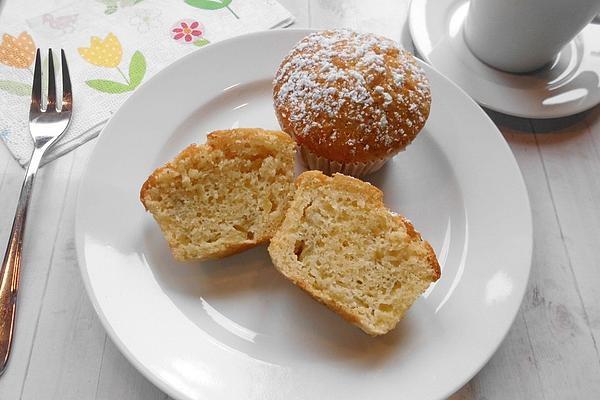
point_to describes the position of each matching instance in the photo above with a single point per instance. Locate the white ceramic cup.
(524, 35)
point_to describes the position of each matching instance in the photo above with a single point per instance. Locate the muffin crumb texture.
(224, 196)
(339, 243)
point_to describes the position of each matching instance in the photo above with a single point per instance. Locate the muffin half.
(224, 196)
(339, 243)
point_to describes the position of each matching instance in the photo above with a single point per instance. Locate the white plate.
(571, 84)
(235, 328)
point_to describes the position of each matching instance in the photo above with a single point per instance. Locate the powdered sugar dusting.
(358, 88)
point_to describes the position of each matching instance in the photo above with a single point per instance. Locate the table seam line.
(535, 360)
(100, 367)
(566, 248)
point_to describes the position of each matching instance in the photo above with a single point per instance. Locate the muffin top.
(351, 97)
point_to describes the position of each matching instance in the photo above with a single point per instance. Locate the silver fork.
(46, 125)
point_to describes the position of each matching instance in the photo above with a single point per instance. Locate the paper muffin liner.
(355, 169)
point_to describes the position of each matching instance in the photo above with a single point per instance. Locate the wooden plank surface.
(46, 209)
(551, 352)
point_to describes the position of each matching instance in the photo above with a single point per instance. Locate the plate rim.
(80, 240)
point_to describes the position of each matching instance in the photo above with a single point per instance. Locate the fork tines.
(36, 91)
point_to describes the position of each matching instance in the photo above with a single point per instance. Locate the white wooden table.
(62, 352)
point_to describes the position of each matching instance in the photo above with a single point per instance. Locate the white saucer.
(571, 84)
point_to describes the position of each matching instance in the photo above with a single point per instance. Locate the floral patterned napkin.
(112, 47)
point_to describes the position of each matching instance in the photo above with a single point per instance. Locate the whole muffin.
(350, 100)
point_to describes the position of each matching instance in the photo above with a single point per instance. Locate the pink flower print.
(186, 30)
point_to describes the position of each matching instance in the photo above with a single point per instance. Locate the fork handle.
(11, 266)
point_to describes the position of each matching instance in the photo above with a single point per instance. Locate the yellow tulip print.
(103, 53)
(108, 53)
